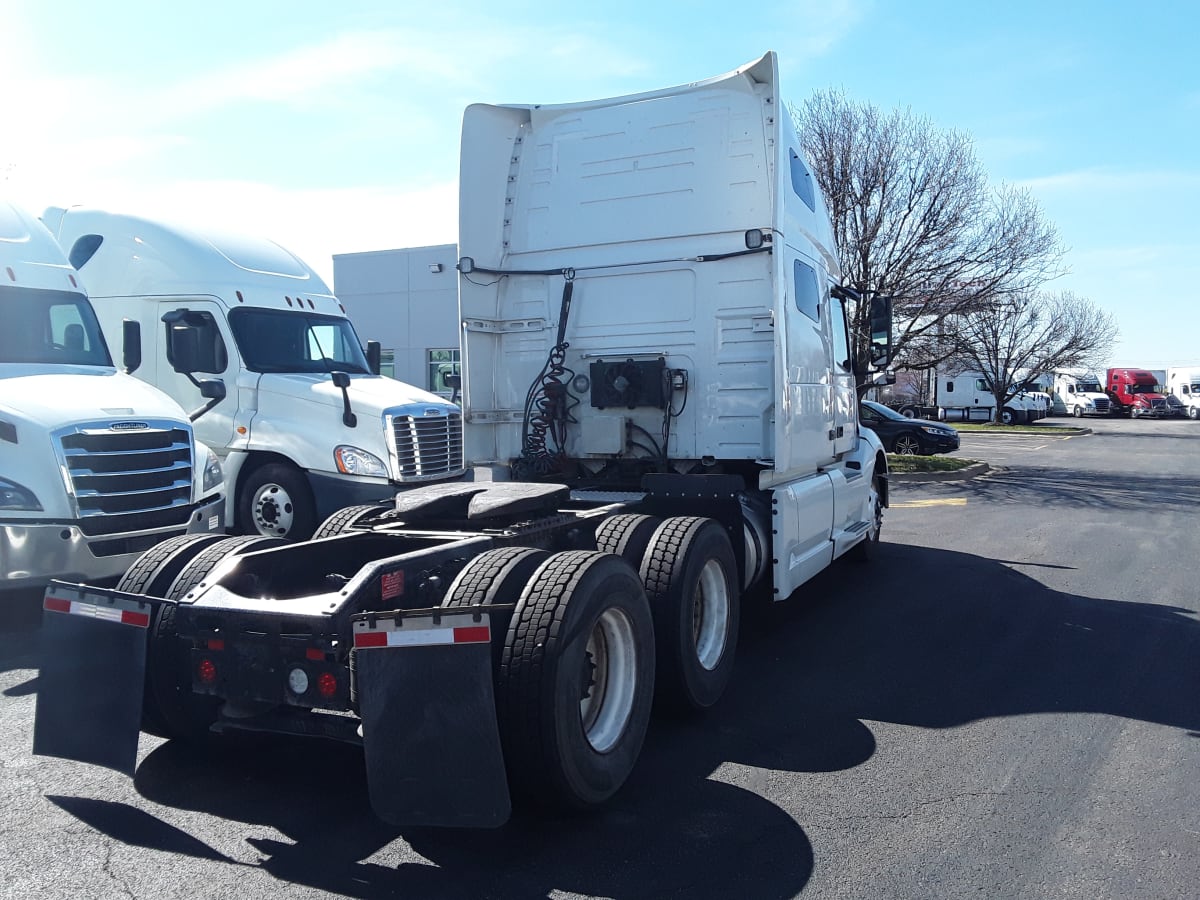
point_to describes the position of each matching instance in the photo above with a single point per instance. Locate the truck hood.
(370, 395)
(57, 398)
(1147, 399)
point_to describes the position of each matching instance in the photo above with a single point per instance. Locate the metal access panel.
(628, 383)
(89, 701)
(428, 709)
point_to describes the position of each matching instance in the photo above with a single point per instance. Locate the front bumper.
(334, 492)
(31, 553)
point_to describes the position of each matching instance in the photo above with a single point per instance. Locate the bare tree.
(915, 218)
(1027, 336)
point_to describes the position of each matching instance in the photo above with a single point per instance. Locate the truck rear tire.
(276, 501)
(169, 707)
(495, 577)
(204, 562)
(691, 579)
(152, 572)
(627, 535)
(576, 680)
(345, 520)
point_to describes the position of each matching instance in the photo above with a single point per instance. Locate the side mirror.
(881, 331)
(131, 345)
(183, 348)
(340, 379)
(374, 357)
(212, 389)
(454, 382)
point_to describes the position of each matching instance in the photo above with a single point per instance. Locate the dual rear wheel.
(585, 642)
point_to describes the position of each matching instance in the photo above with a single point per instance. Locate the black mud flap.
(426, 698)
(93, 664)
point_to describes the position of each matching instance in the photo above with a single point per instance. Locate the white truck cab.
(306, 426)
(95, 465)
(1080, 394)
(1184, 385)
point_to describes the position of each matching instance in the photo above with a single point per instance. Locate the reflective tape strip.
(424, 637)
(92, 610)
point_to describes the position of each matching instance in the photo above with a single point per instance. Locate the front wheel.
(691, 580)
(275, 501)
(1194, 412)
(865, 549)
(576, 680)
(907, 445)
(1078, 412)
(1008, 416)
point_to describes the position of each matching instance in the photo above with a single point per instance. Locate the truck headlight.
(213, 474)
(355, 461)
(17, 497)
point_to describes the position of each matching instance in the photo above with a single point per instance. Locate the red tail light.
(327, 684)
(206, 671)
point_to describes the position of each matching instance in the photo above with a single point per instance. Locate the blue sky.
(334, 127)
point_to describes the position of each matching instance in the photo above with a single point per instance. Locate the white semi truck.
(307, 425)
(967, 396)
(1183, 383)
(661, 420)
(1080, 394)
(95, 466)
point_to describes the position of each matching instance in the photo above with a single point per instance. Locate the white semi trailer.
(95, 466)
(307, 425)
(660, 419)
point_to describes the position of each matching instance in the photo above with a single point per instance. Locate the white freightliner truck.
(308, 426)
(95, 466)
(1080, 394)
(661, 419)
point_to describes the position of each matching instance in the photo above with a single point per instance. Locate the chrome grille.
(425, 446)
(127, 480)
(1101, 404)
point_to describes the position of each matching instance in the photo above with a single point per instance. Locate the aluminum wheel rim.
(610, 680)
(273, 510)
(906, 446)
(710, 615)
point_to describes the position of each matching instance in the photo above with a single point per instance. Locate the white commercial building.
(406, 299)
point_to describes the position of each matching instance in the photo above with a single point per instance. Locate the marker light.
(298, 681)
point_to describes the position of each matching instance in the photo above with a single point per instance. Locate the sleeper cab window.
(808, 294)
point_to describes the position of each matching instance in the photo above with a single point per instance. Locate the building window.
(441, 364)
(387, 363)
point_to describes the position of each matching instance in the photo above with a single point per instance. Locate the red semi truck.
(1134, 392)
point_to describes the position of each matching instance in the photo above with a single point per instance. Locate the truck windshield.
(281, 341)
(49, 328)
(1143, 388)
(1089, 387)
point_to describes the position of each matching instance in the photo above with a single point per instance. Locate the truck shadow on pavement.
(857, 643)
